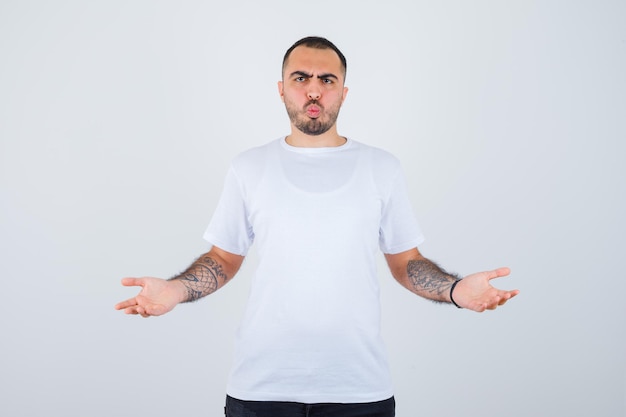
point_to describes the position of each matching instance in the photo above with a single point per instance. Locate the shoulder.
(380, 159)
(256, 154)
(253, 160)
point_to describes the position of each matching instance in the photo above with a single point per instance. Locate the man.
(319, 206)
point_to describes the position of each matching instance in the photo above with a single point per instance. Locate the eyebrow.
(321, 76)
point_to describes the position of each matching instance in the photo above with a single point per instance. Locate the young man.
(319, 206)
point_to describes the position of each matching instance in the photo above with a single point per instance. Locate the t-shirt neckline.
(326, 149)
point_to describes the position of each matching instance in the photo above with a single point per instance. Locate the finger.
(137, 310)
(504, 299)
(143, 312)
(511, 294)
(133, 282)
(493, 301)
(130, 310)
(125, 304)
(498, 273)
(479, 308)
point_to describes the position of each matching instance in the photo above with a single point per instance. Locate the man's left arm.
(426, 279)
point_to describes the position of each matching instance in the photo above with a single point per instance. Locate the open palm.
(476, 293)
(157, 296)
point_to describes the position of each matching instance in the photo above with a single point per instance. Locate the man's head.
(316, 42)
(312, 87)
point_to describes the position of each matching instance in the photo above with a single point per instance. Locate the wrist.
(180, 289)
(452, 290)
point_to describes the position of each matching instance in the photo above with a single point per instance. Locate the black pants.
(240, 408)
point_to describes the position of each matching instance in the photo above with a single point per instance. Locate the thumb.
(498, 273)
(133, 282)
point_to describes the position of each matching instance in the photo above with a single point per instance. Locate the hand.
(157, 296)
(474, 292)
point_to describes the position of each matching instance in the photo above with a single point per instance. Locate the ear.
(281, 91)
(345, 93)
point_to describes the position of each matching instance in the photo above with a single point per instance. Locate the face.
(312, 89)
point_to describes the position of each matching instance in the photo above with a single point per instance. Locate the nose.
(314, 93)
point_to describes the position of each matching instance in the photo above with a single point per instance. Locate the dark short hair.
(317, 43)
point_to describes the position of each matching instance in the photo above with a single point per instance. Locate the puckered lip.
(313, 110)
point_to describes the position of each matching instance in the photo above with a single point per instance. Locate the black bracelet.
(452, 289)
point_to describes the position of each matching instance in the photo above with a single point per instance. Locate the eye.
(327, 81)
(300, 79)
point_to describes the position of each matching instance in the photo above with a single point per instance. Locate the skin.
(424, 278)
(313, 91)
(158, 296)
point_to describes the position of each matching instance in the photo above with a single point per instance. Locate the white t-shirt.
(311, 330)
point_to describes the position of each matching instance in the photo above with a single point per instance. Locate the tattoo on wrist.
(430, 280)
(201, 278)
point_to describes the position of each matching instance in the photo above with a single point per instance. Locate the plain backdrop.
(118, 120)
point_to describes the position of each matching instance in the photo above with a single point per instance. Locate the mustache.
(315, 102)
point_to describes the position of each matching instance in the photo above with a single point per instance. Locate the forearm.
(428, 280)
(205, 276)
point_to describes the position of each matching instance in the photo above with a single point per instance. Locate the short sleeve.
(399, 230)
(229, 228)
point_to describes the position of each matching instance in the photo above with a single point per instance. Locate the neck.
(326, 140)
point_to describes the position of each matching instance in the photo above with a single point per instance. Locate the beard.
(313, 126)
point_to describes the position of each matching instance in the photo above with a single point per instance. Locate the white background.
(118, 120)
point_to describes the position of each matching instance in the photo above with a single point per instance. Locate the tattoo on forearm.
(201, 278)
(429, 280)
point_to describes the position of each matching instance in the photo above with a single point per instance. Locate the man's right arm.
(206, 275)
